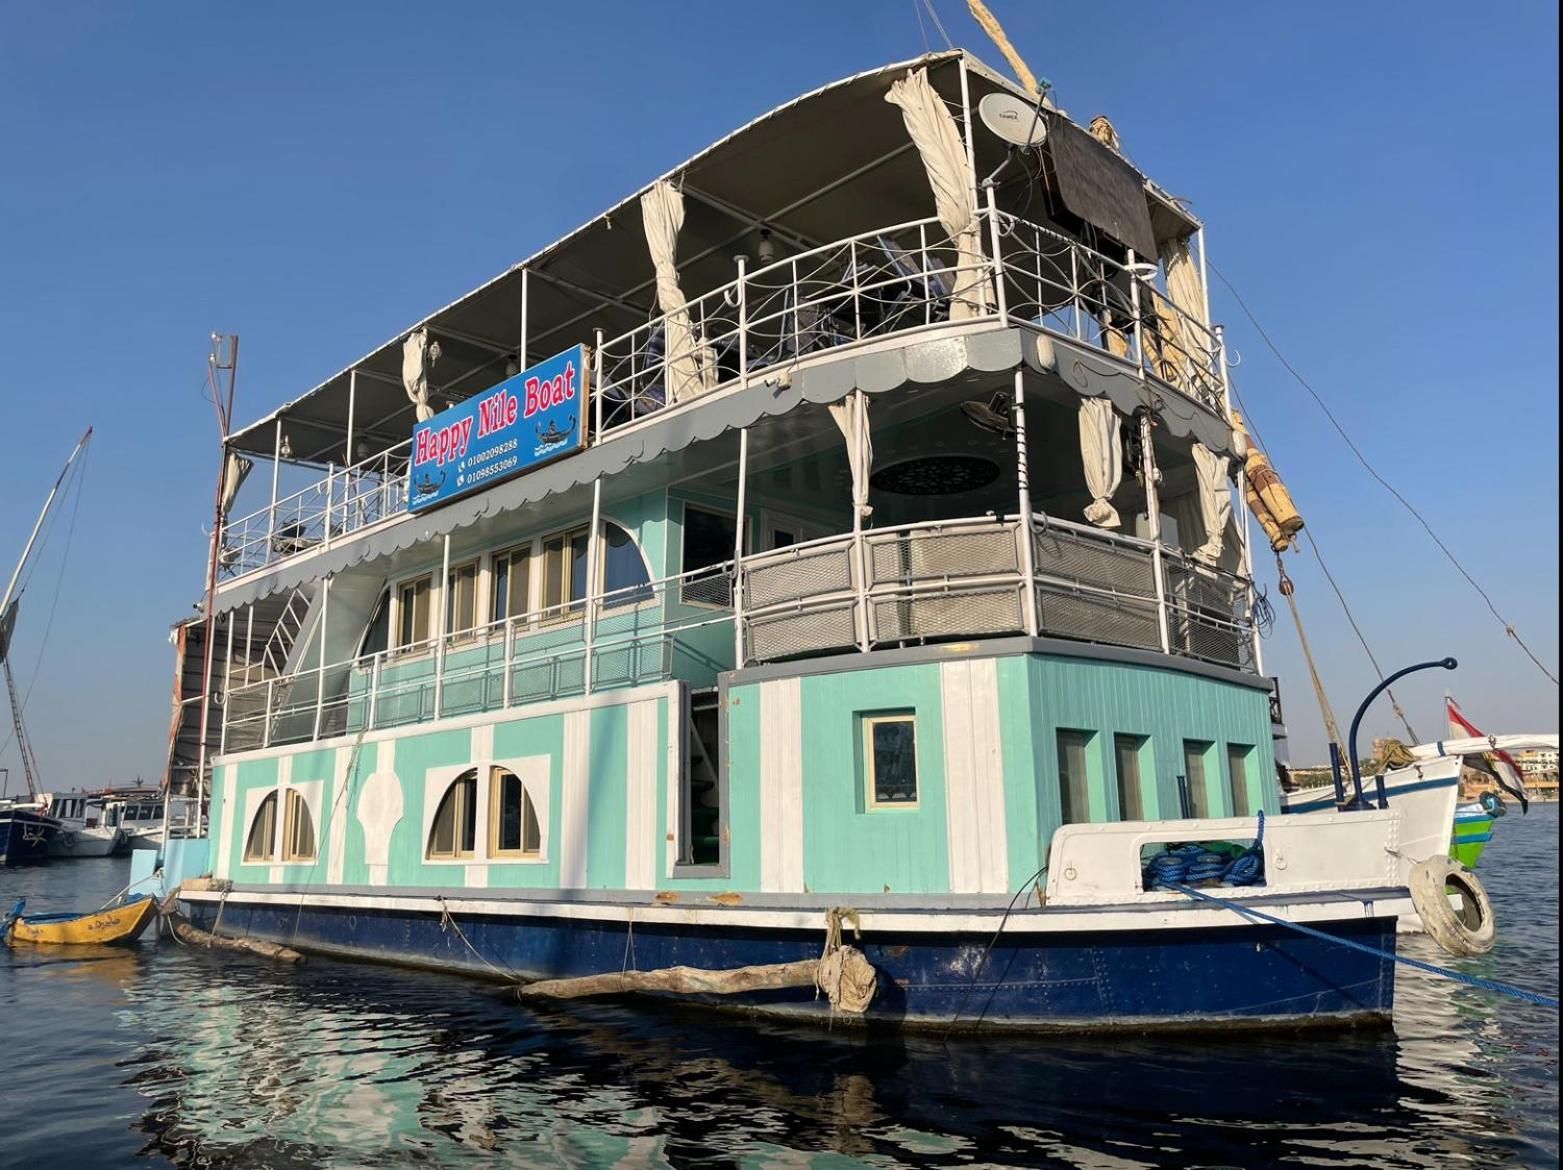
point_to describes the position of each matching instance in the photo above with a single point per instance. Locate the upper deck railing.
(896, 280)
(899, 586)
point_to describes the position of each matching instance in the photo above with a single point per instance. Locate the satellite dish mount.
(1016, 122)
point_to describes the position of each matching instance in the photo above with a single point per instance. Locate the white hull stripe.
(1052, 921)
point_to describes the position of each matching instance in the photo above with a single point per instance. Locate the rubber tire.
(1428, 881)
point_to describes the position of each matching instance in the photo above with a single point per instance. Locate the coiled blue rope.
(1430, 968)
(1192, 863)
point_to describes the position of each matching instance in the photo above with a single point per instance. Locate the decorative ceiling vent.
(935, 475)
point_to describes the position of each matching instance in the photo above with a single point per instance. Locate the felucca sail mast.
(24, 746)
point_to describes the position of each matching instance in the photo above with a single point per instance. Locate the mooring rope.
(1194, 863)
(448, 922)
(1431, 968)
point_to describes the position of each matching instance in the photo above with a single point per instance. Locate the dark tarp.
(1100, 187)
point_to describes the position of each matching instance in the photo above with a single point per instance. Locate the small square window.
(1126, 757)
(1074, 783)
(1197, 796)
(1237, 776)
(890, 761)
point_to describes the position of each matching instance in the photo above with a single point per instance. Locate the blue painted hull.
(25, 836)
(1143, 979)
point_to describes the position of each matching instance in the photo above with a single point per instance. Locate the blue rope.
(1430, 968)
(1194, 863)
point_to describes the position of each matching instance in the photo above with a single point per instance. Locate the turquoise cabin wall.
(849, 847)
(845, 847)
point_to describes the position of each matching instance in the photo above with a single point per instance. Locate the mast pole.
(222, 402)
(16, 574)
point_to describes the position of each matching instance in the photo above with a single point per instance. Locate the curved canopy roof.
(793, 171)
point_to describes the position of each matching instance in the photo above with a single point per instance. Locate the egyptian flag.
(1500, 765)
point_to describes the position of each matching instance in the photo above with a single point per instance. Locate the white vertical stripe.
(230, 804)
(335, 828)
(477, 876)
(574, 798)
(974, 778)
(284, 778)
(481, 755)
(640, 784)
(675, 775)
(781, 786)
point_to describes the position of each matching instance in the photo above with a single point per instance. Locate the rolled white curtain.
(1101, 453)
(1215, 502)
(851, 416)
(686, 362)
(1187, 293)
(418, 354)
(933, 132)
(234, 473)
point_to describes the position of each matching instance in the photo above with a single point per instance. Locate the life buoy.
(1492, 804)
(1470, 930)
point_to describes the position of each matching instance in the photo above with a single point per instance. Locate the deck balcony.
(896, 587)
(896, 282)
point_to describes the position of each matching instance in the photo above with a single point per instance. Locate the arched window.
(455, 829)
(625, 580)
(516, 832)
(298, 829)
(261, 845)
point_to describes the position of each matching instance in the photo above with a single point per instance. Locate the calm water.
(160, 1054)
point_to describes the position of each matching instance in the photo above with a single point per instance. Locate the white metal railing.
(904, 277)
(895, 586)
(346, 500)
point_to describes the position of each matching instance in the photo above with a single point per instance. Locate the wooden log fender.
(846, 977)
(196, 937)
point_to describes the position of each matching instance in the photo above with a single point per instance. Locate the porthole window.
(261, 845)
(455, 829)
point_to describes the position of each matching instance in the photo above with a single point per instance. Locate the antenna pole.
(224, 359)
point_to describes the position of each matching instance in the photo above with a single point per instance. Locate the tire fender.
(1475, 932)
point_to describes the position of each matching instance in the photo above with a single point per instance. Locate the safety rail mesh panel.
(1096, 564)
(791, 632)
(941, 614)
(797, 575)
(1095, 617)
(943, 554)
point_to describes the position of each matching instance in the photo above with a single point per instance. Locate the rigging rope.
(1508, 626)
(1286, 588)
(1430, 968)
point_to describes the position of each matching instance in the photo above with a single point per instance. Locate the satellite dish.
(1017, 122)
(996, 415)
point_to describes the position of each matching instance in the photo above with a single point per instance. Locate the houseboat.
(830, 544)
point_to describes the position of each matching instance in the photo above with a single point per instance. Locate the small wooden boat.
(121, 923)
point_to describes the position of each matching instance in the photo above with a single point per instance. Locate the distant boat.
(138, 813)
(83, 831)
(26, 832)
(113, 924)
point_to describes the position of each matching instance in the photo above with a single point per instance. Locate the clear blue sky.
(1380, 180)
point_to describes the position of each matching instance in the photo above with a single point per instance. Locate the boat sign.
(515, 426)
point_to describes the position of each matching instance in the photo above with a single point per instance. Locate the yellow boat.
(113, 924)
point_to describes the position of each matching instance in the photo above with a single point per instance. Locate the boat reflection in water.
(324, 1067)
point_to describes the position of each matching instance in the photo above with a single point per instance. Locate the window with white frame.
(261, 844)
(890, 760)
(413, 601)
(564, 557)
(514, 828)
(510, 582)
(298, 829)
(454, 832)
(461, 598)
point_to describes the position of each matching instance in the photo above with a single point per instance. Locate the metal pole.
(738, 549)
(1245, 530)
(320, 658)
(374, 689)
(227, 684)
(271, 515)
(1153, 510)
(1356, 721)
(350, 459)
(998, 261)
(1134, 308)
(1028, 550)
(330, 476)
(743, 320)
(439, 625)
(596, 388)
(859, 552)
(971, 155)
(525, 295)
(593, 540)
(249, 643)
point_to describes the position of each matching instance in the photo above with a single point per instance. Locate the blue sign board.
(517, 425)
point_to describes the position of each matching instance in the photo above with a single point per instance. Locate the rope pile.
(1193, 864)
